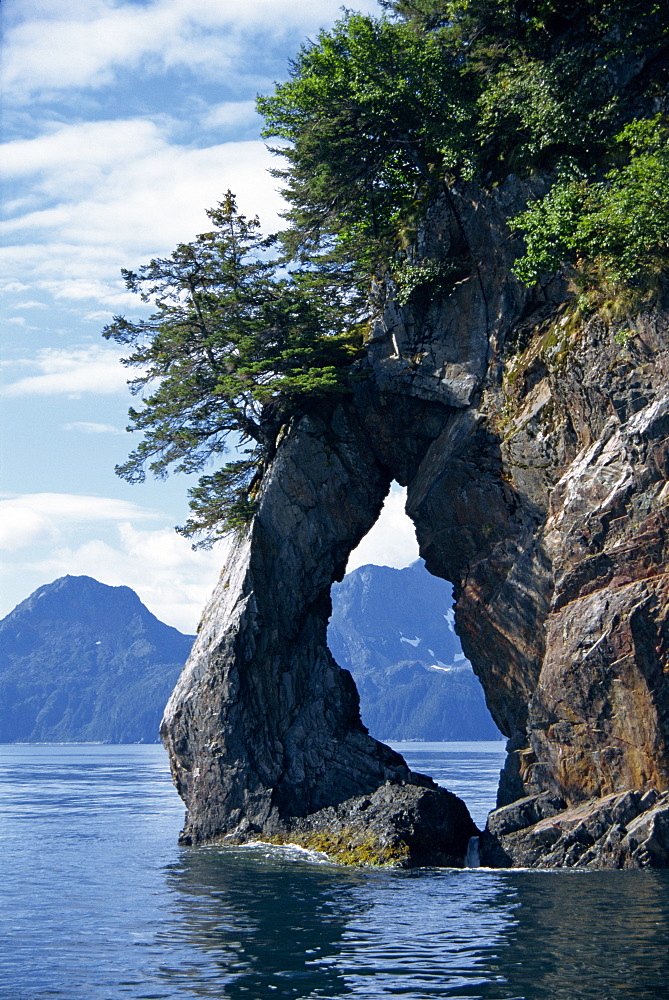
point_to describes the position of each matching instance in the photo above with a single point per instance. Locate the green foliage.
(379, 114)
(549, 226)
(548, 72)
(541, 25)
(424, 278)
(623, 337)
(535, 113)
(225, 501)
(618, 227)
(374, 114)
(232, 348)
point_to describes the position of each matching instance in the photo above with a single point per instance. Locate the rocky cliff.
(533, 441)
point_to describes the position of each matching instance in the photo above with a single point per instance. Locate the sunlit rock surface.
(534, 445)
(624, 830)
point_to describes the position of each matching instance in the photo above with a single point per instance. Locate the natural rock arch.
(536, 462)
(263, 727)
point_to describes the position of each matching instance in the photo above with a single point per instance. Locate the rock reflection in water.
(259, 923)
(586, 936)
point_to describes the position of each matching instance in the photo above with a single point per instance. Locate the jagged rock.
(402, 826)
(534, 444)
(617, 831)
(646, 839)
(522, 813)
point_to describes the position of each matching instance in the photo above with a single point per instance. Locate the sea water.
(97, 902)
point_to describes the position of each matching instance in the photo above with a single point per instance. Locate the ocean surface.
(97, 902)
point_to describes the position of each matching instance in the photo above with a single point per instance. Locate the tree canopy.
(374, 114)
(380, 113)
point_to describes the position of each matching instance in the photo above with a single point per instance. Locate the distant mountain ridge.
(394, 630)
(81, 661)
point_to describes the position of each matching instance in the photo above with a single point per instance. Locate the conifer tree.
(233, 347)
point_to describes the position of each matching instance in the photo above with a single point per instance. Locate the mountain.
(83, 661)
(394, 630)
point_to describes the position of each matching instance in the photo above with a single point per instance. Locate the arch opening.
(393, 628)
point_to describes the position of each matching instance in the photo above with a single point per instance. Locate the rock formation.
(263, 727)
(621, 830)
(534, 445)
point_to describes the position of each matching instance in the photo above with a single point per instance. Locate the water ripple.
(98, 903)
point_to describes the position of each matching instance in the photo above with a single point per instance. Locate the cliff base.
(400, 826)
(627, 830)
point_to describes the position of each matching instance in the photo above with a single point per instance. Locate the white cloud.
(30, 305)
(67, 155)
(111, 194)
(88, 44)
(171, 579)
(71, 371)
(392, 540)
(42, 517)
(10, 287)
(85, 198)
(90, 427)
(115, 176)
(231, 114)
(48, 535)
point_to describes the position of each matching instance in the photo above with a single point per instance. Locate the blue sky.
(123, 121)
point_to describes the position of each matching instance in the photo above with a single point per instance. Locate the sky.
(123, 120)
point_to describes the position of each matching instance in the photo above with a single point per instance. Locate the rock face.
(625, 830)
(534, 445)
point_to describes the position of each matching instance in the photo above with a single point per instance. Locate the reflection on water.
(263, 925)
(588, 935)
(282, 927)
(99, 903)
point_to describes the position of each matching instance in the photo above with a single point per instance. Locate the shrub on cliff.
(373, 115)
(616, 228)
